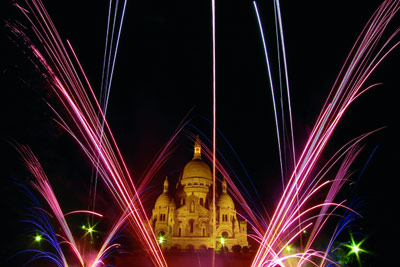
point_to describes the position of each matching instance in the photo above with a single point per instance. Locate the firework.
(361, 62)
(100, 146)
(39, 218)
(296, 211)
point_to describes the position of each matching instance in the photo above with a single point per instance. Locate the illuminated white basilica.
(185, 220)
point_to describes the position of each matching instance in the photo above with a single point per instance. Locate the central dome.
(196, 173)
(197, 169)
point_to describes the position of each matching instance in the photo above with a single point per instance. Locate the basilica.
(184, 220)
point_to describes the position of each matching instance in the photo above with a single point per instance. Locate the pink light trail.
(294, 212)
(361, 62)
(86, 127)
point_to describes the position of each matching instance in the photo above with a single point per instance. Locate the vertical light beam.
(214, 127)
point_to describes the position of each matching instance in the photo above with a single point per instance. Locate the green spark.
(355, 248)
(38, 238)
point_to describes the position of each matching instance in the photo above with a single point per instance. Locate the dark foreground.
(186, 259)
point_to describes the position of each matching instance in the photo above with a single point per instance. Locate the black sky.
(164, 70)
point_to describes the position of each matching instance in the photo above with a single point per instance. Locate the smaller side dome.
(180, 194)
(225, 201)
(180, 197)
(164, 199)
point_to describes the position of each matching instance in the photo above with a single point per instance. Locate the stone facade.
(185, 220)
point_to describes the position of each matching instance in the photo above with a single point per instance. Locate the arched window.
(191, 224)
(163, 217)
(201, 201)
(203, 229)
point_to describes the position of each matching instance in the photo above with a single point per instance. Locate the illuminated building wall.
(185, 220)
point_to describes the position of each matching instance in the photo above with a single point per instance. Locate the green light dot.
(38, 238)
(355, 249)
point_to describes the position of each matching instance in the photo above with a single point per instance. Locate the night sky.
(163, 71)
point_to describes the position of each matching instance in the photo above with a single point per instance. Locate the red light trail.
(296, 210)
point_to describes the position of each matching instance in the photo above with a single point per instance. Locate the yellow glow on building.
(185, 219)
